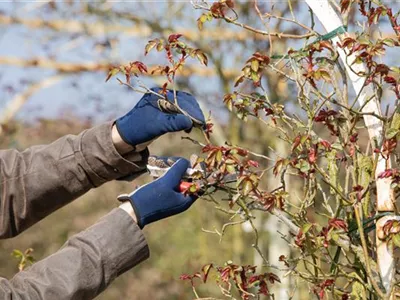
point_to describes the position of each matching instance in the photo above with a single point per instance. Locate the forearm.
(41, 179)
(86, 264)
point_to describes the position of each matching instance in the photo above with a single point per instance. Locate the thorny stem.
(262, 32)
(195, 292)
(357, 209)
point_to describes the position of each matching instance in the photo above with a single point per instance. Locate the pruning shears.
(194, 176)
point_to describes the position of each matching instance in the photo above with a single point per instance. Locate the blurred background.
(54, 58)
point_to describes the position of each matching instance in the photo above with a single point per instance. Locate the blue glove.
(161, 198)
(147, 120)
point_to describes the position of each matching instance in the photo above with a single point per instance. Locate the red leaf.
(347, 42)
(312, 155)
(389, 146)
(296, 142)
(268, 111)
(344, 5)
(230, 3)
(174, 37)
(326, 144)
(218, 9)
(390, 80)
(206, 270)
(354, 138)
(300, 238)
(338, 224)
(253, 163)
(382, 69)
(239, 80)
(242, 152)
(388, 173)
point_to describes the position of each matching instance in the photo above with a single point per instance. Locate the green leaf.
(150, 45)
(235, 198)
(391, 133)
(389, 42)
(255, 77)
(160, 46)
(17, 254)
(230, 169)
(395, 124)
(255, 65)
(204, 18)
(229, 105)
(202, 58)
(396, 240)
(218, 157)
(113, 72)
(395, 69)
(358, 291)
(247, 187)
(337, 146)
(304, 166)
(239, 101)
(246, 71)
(303, 139)
(325, 75)
(193, 188)
(206, 270)
(306, 227)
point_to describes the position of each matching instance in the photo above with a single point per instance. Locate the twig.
(365, 251)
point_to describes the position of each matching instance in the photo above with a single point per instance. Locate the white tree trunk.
(330, 20)
(277, 245)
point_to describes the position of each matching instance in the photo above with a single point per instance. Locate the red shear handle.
(184, 186)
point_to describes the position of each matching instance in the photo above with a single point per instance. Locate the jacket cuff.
(122, 241)
(103, 159)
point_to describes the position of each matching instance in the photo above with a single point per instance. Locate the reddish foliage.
(388, 173)
(296, 142)
(319, 289)
(391, 227)
(300, 238)
(354, 138)
(270, 201)
(326, 145)
(190, 277)
(208, 129)
(174, 37)
(389, 145)
(338, 224)
(283, 259)
(312, 154)
(358, 190)
(327, 117)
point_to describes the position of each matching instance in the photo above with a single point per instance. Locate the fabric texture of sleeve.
(41, 179)
(85, 265)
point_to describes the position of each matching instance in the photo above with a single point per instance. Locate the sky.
(79, 95)
(76, 95)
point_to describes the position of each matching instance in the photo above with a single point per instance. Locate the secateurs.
(197, 178)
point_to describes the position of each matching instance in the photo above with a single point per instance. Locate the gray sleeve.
(41, 179)
(85, 265)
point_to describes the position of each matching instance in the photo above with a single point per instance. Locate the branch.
(66, 67)
(19, 100)
(139, 30)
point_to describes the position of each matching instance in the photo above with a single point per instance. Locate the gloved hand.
(146, 121)
(160, 199)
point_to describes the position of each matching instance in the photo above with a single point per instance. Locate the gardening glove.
(153, 116)
(161, 198)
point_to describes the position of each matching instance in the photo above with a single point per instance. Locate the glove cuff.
(126, 197)
(123, 137)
